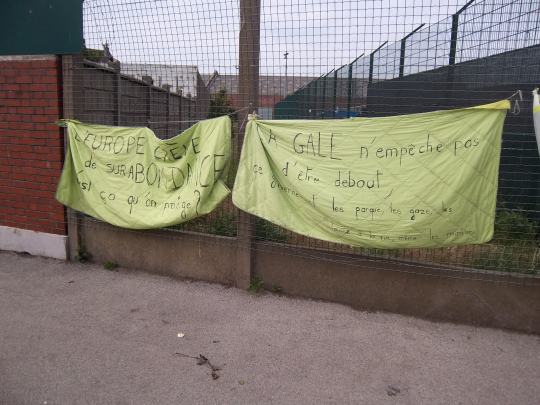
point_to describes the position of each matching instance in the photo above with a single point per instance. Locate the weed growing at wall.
(223, 224)
(267, 231)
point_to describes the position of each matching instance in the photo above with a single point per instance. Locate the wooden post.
(180, 115)
(117, 97)
(148, 104)
(250, 15)
(70, 79)
(189, 110)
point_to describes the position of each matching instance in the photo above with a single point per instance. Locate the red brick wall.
(31, 145)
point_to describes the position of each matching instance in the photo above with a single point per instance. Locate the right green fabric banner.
(419, 180)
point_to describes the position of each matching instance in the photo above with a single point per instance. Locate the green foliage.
(223, 225)
(514, 247)
(95, 55)
(265, 230)
(82, 255)
(256, 285)
(510, 259)
(514, 228)
(110, 265)
(220, 105)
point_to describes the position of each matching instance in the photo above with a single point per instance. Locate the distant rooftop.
(268, 85)
(180, 77)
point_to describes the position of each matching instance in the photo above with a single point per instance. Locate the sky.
(319, 35)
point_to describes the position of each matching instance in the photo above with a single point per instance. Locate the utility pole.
(248, 85)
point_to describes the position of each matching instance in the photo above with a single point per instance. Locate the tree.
(220, 105)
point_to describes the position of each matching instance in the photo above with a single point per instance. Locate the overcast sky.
(319, 35)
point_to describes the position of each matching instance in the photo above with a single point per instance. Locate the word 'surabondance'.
(129, 178)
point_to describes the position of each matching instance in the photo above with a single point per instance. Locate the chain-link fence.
(168, 64)
(475, 32)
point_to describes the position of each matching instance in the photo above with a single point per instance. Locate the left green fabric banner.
(128, 177)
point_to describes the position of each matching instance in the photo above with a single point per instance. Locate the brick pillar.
(31, 155)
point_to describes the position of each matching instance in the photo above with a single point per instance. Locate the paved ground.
(80, 334)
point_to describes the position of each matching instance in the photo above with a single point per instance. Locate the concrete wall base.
(500, 300)
(508, 301)
(169, 253)
(35, 243)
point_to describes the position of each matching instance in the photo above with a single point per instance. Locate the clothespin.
(253, 116)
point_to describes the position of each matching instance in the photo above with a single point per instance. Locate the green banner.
(130, 178)
(419, 180)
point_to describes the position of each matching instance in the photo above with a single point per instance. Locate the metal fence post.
(323, 100)
(180, 103)
(371, 59)
(453, 39)
(334, 106)
(402, 50)
(148, 103)
(249, 45)
(168, 125)
(453, 46)
(350, 86)
(308, 98)
(349, 91)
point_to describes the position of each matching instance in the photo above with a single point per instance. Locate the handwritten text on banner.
(420, 180)
(130, 178)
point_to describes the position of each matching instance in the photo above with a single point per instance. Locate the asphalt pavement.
(74, 333)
